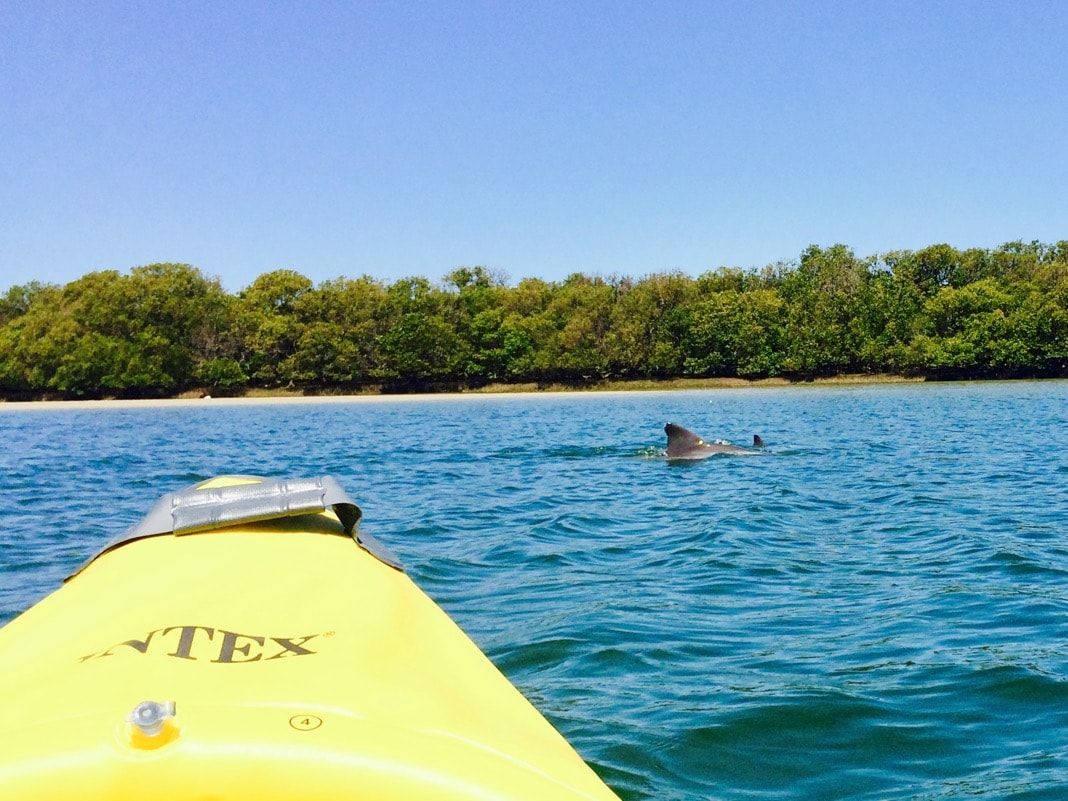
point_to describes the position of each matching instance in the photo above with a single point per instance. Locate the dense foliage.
(167, 328)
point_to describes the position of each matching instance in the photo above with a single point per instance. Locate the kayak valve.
(151, 724)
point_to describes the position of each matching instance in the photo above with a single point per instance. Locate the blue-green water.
(875, 608)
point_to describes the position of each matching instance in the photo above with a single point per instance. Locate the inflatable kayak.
(245, 641)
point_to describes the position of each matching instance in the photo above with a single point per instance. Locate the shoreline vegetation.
(168, 331)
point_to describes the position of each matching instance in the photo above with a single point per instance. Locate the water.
(875, 608)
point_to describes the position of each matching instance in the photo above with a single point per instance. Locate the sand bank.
(284, 397)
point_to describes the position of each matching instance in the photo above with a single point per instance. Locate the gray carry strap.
(193, 510)
(196, 510)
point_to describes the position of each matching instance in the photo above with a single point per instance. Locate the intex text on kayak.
(199, 642)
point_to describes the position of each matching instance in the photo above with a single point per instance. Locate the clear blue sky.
(535, 138)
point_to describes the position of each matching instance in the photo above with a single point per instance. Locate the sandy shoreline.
(281, 397)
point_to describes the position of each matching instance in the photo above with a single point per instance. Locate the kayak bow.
(245, 641)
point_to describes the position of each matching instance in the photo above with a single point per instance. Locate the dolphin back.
(684, 444)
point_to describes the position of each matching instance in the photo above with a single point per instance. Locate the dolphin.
(684, 444)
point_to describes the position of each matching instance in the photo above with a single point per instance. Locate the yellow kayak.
(245, 641)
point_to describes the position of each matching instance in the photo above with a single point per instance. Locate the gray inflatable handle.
(196, 510)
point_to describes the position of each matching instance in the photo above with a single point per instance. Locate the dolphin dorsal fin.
(757, 441)
(680, 439)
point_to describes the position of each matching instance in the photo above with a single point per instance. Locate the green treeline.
(167, 328)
